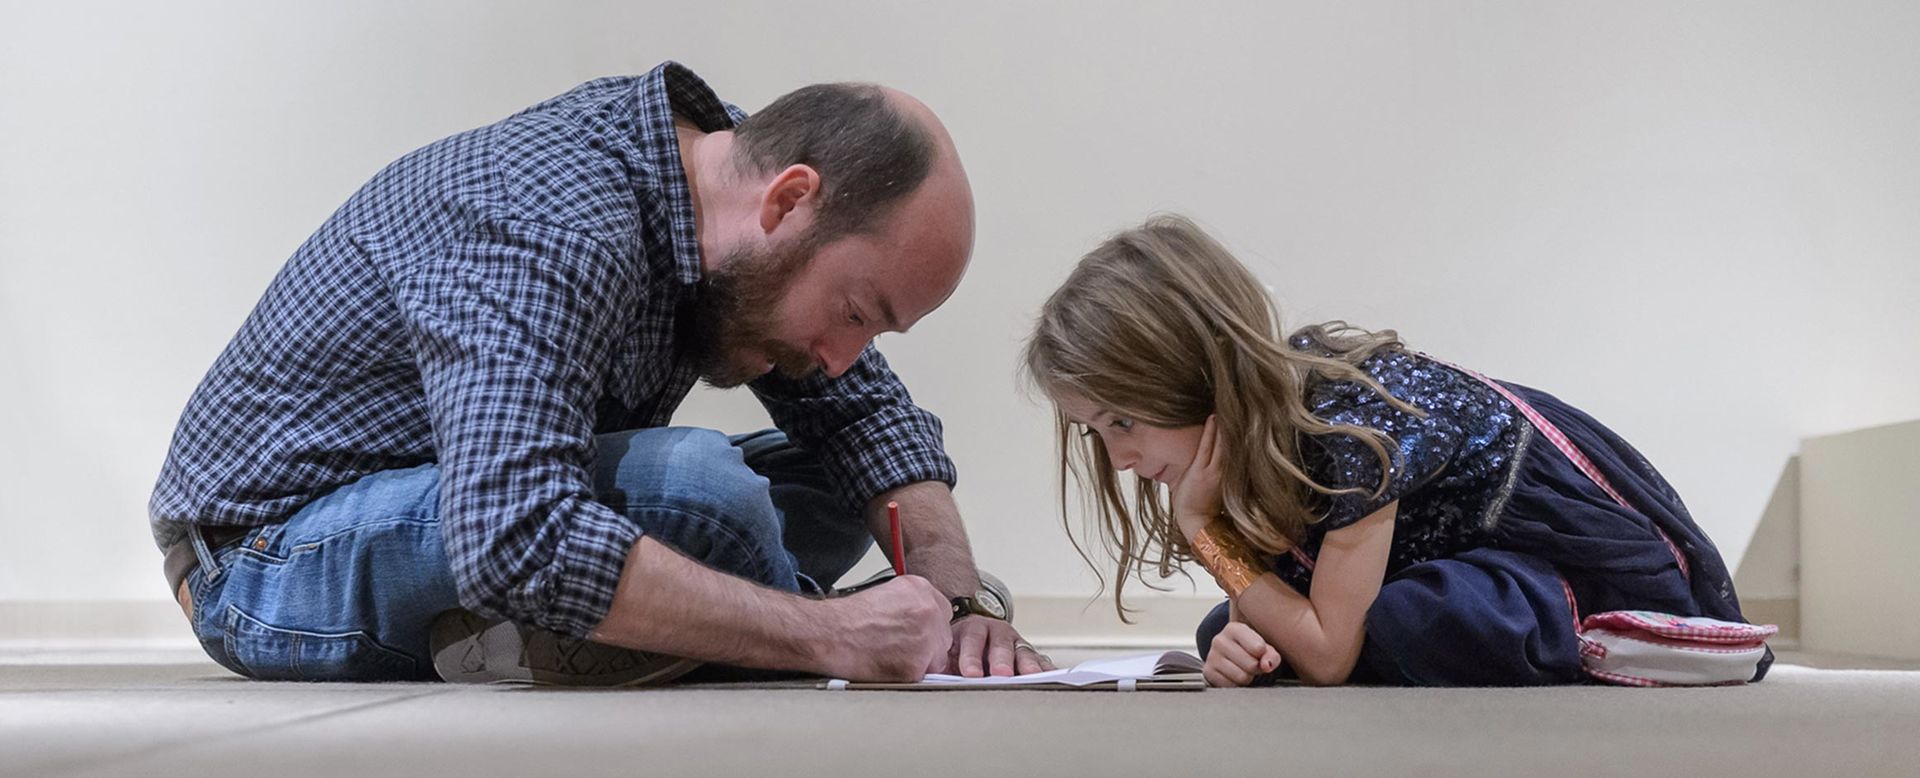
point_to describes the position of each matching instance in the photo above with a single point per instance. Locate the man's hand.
(896, 631)
(1238, 656)
(987, 646)
(936, 544)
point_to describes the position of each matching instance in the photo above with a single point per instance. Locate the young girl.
(1374, 514)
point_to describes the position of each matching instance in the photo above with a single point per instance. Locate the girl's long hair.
(1160, 324)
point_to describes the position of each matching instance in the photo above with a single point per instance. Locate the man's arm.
(671, 604)
(936, 544)
(507, 328)
(508, 331)
(877, 446)
(932, 533)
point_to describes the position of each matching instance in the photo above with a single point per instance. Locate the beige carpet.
(174, 715)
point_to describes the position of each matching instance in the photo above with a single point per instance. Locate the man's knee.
(691, 488)
(689, 467)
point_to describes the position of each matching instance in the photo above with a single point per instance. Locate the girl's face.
(1156, 453)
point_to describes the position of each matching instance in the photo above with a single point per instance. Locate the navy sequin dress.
(1495, 526)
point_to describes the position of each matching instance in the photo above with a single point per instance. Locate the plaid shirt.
(489, 303)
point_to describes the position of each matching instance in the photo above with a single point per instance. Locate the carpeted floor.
(63, 713)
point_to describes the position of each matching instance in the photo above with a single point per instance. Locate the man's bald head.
(846, 214)
(871, 146)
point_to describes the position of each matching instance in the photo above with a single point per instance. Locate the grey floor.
(169, 712)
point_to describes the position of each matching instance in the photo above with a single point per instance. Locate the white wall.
(1697, 222)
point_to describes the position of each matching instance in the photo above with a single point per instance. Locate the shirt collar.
(667, 90)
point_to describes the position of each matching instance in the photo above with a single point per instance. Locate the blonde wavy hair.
(1160, 324)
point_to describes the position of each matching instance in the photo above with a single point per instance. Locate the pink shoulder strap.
(1571, 451)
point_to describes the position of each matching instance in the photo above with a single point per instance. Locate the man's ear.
(790, 195)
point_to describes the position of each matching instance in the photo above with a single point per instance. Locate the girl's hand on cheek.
(1196, 495)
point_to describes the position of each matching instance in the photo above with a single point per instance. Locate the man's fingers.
(972, 642)
(1029, 659)
(1000, 652)
(1026, 658)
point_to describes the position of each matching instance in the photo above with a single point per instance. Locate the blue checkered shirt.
(490, 303)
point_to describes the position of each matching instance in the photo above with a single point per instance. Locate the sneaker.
(470, 649)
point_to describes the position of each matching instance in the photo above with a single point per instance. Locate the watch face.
(981, 603)
(987, 603)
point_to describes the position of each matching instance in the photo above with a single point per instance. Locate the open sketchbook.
(1173, 670)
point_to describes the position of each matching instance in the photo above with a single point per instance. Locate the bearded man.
(440, 446)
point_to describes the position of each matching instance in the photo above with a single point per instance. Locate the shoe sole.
(471, 649)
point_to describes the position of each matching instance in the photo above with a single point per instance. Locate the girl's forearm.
(1322, 651)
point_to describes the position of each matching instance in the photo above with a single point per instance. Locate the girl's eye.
(1123, 424)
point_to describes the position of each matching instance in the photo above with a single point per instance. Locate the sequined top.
(1453, 468)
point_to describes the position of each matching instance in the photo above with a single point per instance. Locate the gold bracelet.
(1221, 550)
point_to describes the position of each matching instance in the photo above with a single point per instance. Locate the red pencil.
(899, 552)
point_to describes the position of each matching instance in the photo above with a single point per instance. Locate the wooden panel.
(1859, 539)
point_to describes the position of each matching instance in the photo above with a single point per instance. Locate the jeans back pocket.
(271, 653)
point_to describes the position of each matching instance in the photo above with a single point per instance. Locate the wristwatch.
(991, 600)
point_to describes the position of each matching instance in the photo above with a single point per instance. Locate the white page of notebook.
(1091, 671)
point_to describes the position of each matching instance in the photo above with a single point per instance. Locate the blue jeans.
(347, 588)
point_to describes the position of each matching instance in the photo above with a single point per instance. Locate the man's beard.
(736, 313)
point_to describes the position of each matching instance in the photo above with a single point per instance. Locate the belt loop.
(209, 569)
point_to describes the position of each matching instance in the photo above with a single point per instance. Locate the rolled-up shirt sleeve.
(863, 425)
(509, 329)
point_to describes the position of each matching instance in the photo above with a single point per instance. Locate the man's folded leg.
(691, 489)
(823, 532)
(344, 590)
(356, 587)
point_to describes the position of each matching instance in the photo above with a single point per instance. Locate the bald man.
(440, 446)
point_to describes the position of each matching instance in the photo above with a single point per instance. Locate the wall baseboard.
(107, 622)
(1158, 622)
(1049, 621)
